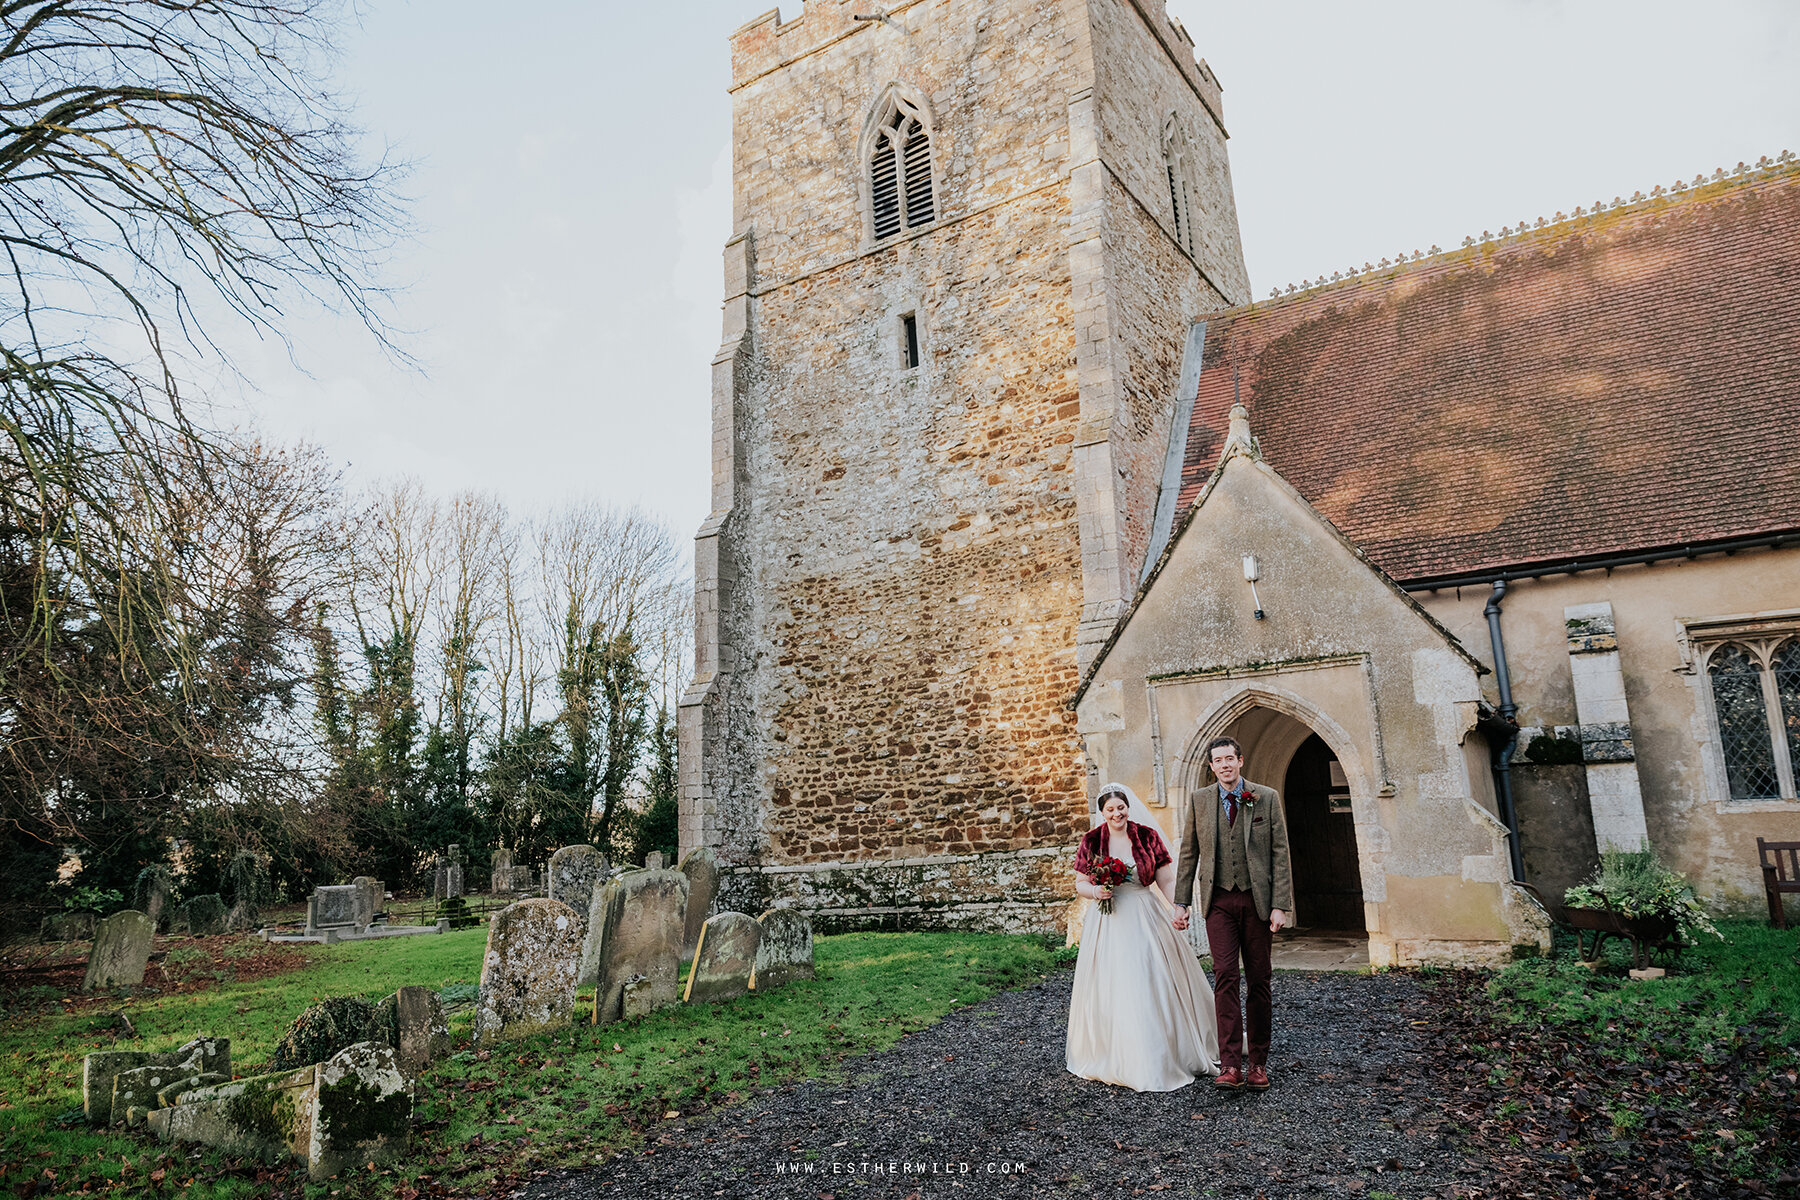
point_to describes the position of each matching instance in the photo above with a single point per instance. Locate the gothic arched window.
(1182, 164)
(1741, 705)
(900, 184)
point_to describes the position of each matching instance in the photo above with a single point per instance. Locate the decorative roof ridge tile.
(1764, 170)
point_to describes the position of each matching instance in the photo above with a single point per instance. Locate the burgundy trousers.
(1233, 928)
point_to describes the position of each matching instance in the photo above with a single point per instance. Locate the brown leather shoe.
(1231, 1079)
(1257, 1078)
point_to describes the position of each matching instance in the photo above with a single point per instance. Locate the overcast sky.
(571, 191)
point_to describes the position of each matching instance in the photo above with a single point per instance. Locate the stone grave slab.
(634, 929)
(333, 907)
(701, 867)
(725, 959)
(264, 1116)
(121, 949)
(653, 861)
(447, 880)
(99, 1071)
(786, 951)
(528, 972)
(575, 871)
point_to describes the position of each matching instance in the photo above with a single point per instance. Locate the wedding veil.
(1136, 809)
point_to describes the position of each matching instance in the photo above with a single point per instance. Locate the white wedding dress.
(1141, 1015)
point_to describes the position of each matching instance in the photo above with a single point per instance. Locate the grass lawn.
(557, 1099)
(1690, 1077)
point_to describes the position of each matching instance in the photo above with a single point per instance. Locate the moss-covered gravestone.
(67, 927)
(326, 1028)
(786, 950)
(201, 915)
(528, 972)
(725, 959)
(353, 1108)
(121, 949)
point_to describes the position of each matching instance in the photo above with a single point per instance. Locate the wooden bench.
(1780, 876)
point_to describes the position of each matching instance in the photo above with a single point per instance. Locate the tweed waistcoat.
(1232, 865)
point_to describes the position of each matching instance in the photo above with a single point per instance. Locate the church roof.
(1624, 380)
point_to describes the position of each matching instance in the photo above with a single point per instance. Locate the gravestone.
(333, 907)
(702, 871)
(725, 959)
(500, 871)
(324, 1029)
(371, 894)
(786, 951)
(528, 972)
(634, 928)
(415, 1026)
(447, 878)
(100, 1071)
(354, 1108)
(653, 861)
(152, 895)
(156, 1086)
(121, 948)
(67, 927)
(575, 871)
(201, 916)
(242, 917)
(362, 1111)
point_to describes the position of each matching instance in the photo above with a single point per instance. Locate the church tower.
(969, 239)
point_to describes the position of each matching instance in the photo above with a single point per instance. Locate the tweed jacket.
(1263, 827)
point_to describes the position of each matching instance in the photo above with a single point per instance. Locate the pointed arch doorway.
(1283, 752)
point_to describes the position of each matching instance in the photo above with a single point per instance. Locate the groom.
(1235, 851)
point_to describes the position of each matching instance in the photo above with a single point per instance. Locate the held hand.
(1104, 893)
(1181, 918)
(1277, 919)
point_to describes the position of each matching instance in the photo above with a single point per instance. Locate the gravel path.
(980, 1105)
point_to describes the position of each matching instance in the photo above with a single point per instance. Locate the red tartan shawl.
(1147, 850)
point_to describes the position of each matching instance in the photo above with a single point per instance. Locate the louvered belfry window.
(900, 174)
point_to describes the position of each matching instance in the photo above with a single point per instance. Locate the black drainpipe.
(1509, 713)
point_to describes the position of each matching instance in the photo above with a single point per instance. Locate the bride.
(1141, 1015)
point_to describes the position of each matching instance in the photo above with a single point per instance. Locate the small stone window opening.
(900, 187)
(1756, 704)
(909, 341)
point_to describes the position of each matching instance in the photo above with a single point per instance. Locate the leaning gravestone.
(121, 948)
(528, 972)
(413, 1021)
(575, 871)
(702, 871)
(725, 960)
(201, 915)
(786, 951)
(634, 929)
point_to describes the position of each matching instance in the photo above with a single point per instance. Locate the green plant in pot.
(1637, 885)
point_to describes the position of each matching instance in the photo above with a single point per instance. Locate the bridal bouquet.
(1109, 872)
